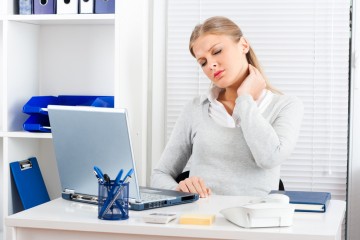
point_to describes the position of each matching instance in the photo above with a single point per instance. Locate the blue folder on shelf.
(29, 182)
(38, 104)
(44, 7)
(36, 107)
(25, 7)
(104, 6)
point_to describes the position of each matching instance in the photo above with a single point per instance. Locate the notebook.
(85, 137)
(307, 201)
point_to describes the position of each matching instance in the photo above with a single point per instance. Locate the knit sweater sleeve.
(176, 153)
(270, 141)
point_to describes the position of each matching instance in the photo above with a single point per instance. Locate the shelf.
(49, 19)
(23, 134)
(67, 54)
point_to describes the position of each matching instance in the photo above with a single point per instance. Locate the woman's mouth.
(218, 73)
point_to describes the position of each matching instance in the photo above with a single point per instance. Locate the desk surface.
(62, 215)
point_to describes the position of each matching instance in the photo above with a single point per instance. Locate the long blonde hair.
(223, 26)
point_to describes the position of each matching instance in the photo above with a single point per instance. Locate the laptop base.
(134, 204)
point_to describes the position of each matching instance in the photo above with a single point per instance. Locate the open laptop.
(85, 137)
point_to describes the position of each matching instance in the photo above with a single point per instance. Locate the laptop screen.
(85, 137)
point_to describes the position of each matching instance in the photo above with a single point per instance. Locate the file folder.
(86, 6)
(25, 7)
(29, 182)
(67, 6)
(104, 6)
(44, 6)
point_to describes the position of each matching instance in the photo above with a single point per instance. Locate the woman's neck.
(228, 94)
(227, 97)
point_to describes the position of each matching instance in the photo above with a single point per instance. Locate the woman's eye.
(202, 64)
(217, 52)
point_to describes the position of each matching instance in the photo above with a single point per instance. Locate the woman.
(238, 134)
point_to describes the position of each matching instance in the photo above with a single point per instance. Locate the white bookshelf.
(52, 19)
(80, 54)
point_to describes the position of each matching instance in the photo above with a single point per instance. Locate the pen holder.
(113, 201)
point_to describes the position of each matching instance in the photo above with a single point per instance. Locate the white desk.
(61, 219)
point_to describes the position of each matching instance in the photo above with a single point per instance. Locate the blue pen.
(130, 172)
(98, 173)
(118, 177)
(116, 182)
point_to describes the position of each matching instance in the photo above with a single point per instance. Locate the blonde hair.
(223, 26)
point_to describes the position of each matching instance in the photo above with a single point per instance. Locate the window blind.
(303, 47)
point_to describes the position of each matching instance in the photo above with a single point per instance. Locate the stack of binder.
(36, 107)
(27, 7)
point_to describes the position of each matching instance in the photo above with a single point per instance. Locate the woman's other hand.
(253, 84)
(194, 184)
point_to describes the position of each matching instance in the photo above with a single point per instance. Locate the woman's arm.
(176, 153)
(270, 144)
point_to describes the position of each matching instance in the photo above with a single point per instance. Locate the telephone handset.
(273, 210)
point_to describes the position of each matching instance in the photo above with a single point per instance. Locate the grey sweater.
(232, 161)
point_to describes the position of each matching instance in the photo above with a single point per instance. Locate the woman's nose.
(213, 65)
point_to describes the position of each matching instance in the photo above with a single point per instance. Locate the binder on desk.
(307, 201)
(29, 182)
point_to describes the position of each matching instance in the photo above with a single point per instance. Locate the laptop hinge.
(70, 194)
(69, 191)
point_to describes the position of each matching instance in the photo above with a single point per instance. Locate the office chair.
(186, 174)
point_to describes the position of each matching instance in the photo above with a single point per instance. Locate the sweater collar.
(213, 93)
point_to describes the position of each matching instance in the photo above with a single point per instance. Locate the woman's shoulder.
(287, 101)
(193, 107)
(196, 102)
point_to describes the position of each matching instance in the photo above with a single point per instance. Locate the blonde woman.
(238, 134)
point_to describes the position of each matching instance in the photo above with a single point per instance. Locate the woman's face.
(222, 59)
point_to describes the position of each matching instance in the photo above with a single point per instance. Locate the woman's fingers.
(253, 84)
(194, 184)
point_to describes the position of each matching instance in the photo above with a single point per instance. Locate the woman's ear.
(244, 45)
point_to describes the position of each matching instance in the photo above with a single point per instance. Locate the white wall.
(132, 58)
(156, 142)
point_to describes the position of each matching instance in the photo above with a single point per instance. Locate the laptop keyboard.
(148, 197)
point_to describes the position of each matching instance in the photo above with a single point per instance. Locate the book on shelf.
(308, 201)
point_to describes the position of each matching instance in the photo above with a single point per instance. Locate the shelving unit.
(80, 54)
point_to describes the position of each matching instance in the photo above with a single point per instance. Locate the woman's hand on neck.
(253, 84)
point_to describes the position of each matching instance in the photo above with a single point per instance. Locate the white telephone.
(273, 198)
(273, 210)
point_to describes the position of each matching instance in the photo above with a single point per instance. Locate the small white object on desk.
(159, 217)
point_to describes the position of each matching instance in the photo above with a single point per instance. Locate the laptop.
(85, 137)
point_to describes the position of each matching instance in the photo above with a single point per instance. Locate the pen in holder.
(113, 200)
